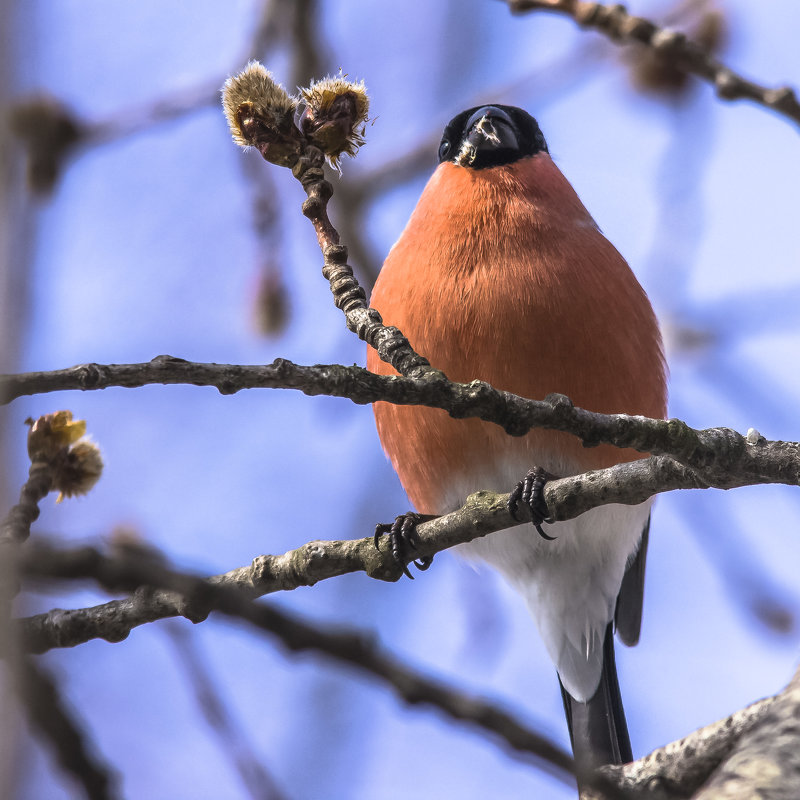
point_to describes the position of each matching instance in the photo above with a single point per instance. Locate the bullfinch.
(502, 275)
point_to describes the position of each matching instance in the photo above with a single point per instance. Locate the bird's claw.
(403, 538)
(530, 492)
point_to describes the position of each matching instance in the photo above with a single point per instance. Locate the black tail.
(597, 729)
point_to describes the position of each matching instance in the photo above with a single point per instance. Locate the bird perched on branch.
(502, 275)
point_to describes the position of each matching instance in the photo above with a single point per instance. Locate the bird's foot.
(530, 492)
(403, 540)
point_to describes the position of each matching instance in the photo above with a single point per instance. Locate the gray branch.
(765, 763)
(754, 753)
(170, 593)
(59, 727)
(680, 768)
(716, 457)
(483, 513)
(621, 27)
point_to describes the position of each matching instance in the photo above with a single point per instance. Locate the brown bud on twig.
(52, 433)
(79, 470)
(335, 116)
(654, 69)
(271, 302)
(49, 132)
(74, 461)
(260, 114)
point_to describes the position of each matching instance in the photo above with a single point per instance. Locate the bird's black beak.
(490, 136)
(488, 129)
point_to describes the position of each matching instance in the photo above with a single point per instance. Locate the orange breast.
(502, 275)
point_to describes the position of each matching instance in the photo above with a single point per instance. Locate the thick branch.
(753, 754)
(620, 26)
(766, 760)
(680, 768)
(709, 452)
(195, 597)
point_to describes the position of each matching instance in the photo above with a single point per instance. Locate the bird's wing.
(628, 615)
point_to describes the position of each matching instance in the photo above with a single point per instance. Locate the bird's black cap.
(491, 135)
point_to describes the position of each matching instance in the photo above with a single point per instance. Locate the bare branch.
(348, 295)
(260, 114)
(618, 25)
(51, 718)
(680, 768)
(16, 527)
(483, 513)
(133, 120)
(194, 597)
(257, 780)
(723, 750)
(754, 753)
(709, 453)
(766, 760)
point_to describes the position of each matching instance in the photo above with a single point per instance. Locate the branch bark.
(708, 453)
(766, 760)
(752, 754)
(483, 513)
(178, 593)
(680, 768)
(621, 27)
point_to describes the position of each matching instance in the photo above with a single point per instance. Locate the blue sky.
(146, 247)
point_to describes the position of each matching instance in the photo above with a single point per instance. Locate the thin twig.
(257, 780)
(621, 27)
(51, 718)
(16, 527)
(133, 120)
(348, 295)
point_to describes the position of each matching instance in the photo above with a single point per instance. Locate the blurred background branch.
(671, 47)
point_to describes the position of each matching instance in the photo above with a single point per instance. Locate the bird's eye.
(444, 150)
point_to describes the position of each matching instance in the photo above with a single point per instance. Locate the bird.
(501, 275)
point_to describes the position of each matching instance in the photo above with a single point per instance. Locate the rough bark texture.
(714, 457)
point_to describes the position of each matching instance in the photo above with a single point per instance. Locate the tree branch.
(680, 768)
(16, 527)
(483, 513)
(349, 297)
(765, 761)
(739, 750)
(50, 718)
(254, 109)
(618, 25)
(195, 597)
(709, 453)
(754, 753)
(256, 779)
